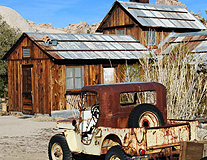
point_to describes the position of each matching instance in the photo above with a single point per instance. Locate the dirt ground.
(27, 138)
(24, 138)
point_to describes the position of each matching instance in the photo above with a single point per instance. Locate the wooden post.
(5, 97)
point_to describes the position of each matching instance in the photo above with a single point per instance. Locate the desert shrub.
(180, 73)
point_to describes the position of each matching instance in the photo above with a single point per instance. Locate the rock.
(82, 27)
(15, 20)
(170, 2)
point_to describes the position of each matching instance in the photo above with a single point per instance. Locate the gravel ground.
(25, 138)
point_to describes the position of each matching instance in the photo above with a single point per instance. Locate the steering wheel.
(95, 112)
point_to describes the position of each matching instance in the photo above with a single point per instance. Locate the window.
(151, 38)
(109, 75)
(26, 52)
(135, 98)
(120, 31)
(74, 78)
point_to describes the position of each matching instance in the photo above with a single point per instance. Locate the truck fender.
(110, 141)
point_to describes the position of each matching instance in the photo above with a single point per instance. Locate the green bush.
(8, 37)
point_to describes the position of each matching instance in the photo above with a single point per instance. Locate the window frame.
(118, 29)
(23, 48)
(132, 99)
(74, 77)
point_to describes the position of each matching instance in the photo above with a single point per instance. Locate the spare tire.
(145, 115)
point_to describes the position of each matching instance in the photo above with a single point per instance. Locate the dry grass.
(186, 86)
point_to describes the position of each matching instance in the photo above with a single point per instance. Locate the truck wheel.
(58, 148)
(145, 115)
(116, 153)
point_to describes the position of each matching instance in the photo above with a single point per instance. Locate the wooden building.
(148, 23)
(43, 67)
(195, 42)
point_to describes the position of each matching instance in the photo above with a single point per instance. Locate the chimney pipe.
(140, 1)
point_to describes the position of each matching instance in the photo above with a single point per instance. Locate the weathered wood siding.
(47, 80)
(119, 19)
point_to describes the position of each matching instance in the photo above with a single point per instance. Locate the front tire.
(58, 148)
(116, 153)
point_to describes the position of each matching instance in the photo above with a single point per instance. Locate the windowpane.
(151, 38)
(120, 31)
(26, 52)
(69, 71)
(109, 75)
(69, 83)
(77, 72)
(135, 98)
(78, 84)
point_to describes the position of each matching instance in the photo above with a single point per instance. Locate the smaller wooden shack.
(195, 42)
(44, 67)
(149, 23)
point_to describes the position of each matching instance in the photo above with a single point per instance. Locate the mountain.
(15, 20)
(82, 27)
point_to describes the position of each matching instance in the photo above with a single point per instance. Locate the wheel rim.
(148, 119)
(115, 157)
(57, 152)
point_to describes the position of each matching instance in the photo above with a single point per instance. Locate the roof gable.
(156, 15)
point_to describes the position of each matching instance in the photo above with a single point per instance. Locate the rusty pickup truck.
(121, 121)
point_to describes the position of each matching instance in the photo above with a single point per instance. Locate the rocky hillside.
(82, 27)
(170, 2)
(12, 17)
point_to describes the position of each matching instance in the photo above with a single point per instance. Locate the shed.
(194, 42)
(149, 23)
(44, 67)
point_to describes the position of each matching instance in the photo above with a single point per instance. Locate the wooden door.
(27, 90)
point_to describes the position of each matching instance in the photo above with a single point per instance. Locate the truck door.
(90, 115)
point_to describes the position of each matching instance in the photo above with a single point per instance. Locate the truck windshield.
(89, 99)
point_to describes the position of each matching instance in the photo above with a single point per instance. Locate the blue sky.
(61, 13)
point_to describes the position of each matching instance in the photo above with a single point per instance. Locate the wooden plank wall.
(48, 79)
(40, 74)
(120, 20)
(58, 86)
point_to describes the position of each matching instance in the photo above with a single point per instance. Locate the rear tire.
(58, 148)
(116, 153)
(145, 115)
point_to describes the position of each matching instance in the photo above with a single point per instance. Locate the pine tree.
(8, 37)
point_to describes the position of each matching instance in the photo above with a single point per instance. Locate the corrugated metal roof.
(196, 42)
(91, 46)
(167, 16)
